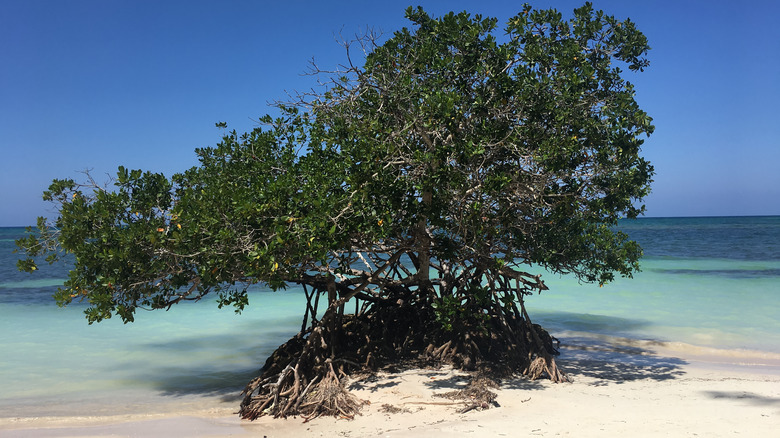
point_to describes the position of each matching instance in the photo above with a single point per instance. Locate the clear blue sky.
(97, 84)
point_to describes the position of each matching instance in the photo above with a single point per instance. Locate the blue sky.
(98, 84)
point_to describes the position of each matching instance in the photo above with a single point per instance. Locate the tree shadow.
(560, 321)
(393, 375)
(375, 382)
(608, 360)
(208, 376)
(446, 380)
(227, 385)
(522, 383)
(616, 360)
(606, 357)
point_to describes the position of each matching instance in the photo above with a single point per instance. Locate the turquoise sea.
(705, 282)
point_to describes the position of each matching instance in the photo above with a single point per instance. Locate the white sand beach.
(619, 388)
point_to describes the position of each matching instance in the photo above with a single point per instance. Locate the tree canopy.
(424, 186)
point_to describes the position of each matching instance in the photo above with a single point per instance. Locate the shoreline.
(619, 386)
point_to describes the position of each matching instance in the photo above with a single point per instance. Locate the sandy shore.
(619, 388)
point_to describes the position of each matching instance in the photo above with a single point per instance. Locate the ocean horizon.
(706, 282)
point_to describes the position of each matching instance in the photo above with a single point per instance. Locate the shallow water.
(716, 303)
(708, 282)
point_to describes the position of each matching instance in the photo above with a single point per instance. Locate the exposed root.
(463, 353)
(287, 396)
(330, 398)
(545, 367)
(306, 376)
(476, 395)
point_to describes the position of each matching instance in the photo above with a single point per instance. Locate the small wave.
(33, 284)
(731, 273)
